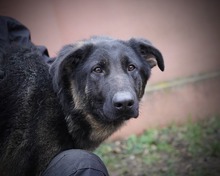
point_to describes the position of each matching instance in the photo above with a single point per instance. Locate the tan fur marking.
(151, 60)
(76, 98)
(70, 124)
(100, 131)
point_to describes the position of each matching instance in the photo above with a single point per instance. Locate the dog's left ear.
(146, 50)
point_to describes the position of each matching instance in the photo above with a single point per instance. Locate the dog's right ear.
(67, 60)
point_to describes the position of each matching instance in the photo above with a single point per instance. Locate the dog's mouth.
(117, 117)
(126, 115)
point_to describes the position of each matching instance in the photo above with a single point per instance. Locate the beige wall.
(186, 32)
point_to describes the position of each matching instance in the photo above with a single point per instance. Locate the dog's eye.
(131, 67)
(98, 70)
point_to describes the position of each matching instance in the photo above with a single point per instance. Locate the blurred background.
(186, 32)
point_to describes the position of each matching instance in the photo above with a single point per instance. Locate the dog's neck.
(95, 132)
(101, 131)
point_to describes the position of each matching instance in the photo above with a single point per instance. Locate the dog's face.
(105, 78)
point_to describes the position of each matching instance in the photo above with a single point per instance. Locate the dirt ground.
(192, 149)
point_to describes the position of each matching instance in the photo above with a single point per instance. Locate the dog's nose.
(123, 101)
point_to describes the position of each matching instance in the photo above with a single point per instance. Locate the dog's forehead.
(113, 49)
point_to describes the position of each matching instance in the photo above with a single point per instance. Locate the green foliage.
(191, 149)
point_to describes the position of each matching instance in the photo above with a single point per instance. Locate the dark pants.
(67, 163)
(76, 163)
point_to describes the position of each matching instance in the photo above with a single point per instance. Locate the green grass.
(192, 149)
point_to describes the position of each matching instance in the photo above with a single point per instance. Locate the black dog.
(90, 90)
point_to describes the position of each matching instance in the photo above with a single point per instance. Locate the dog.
(85, 95)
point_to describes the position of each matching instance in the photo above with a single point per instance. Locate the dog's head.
(103, 77)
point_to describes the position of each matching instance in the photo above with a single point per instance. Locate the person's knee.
(76, 162)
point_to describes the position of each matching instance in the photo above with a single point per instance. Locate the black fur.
(90, 90)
